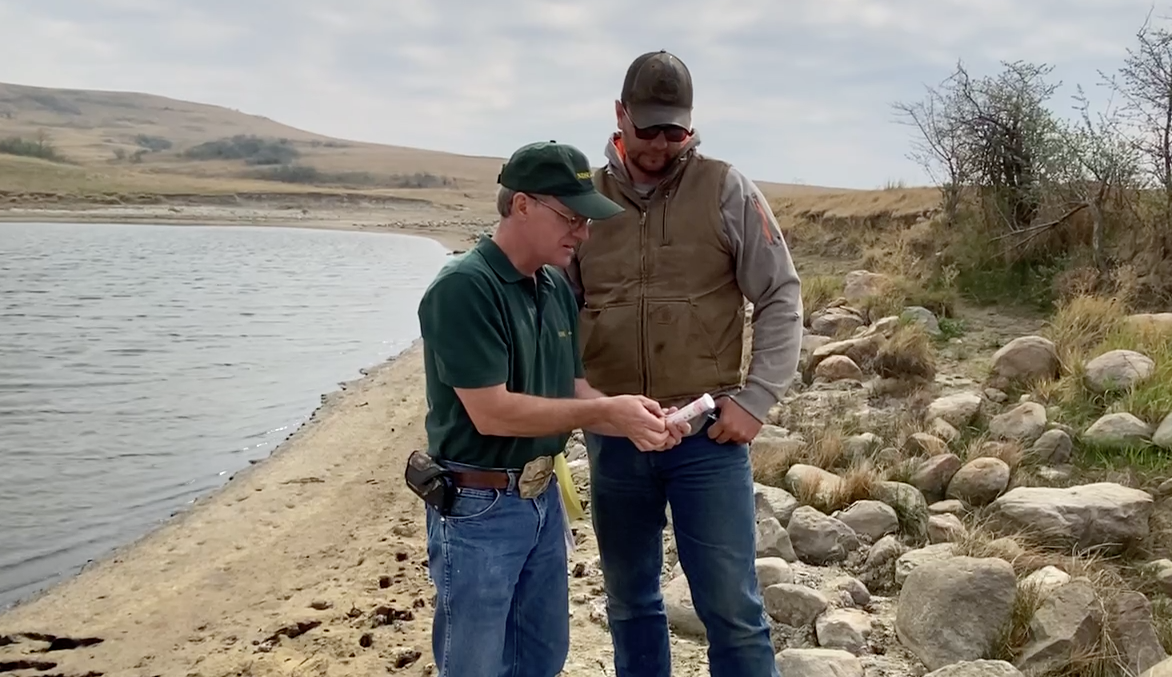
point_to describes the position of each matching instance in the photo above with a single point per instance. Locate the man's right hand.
(641, 420)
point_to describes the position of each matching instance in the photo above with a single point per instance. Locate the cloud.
(785, 91)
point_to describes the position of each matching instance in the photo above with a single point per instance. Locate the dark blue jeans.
(502, 598)
(710, 489)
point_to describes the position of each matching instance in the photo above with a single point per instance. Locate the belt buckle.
(535, 477)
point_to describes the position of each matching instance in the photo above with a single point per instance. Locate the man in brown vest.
(662, 290)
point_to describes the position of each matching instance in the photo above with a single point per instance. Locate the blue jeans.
(502, 599)
(710, 489)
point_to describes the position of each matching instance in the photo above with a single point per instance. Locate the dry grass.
(818, 291)
(1084, 327)
(908, 354)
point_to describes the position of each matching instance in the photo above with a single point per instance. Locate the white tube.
(697, 407)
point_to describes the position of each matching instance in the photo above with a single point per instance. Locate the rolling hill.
(82, 144)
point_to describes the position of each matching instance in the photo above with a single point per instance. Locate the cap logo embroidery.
(583, 175)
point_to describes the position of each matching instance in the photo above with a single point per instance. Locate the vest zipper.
(644, 361)
(663, 223)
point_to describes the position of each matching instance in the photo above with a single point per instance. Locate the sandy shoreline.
(455, 231)
(310, 562)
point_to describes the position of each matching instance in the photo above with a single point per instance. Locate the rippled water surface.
(142, 365)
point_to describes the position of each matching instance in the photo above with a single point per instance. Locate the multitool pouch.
(430, 481)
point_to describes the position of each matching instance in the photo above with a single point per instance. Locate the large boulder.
(1117, 370)
(1026, 358)
(1067, 624)
(1101, 515)
(954, 610)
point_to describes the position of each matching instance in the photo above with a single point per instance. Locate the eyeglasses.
(673, 133)
(574, 221)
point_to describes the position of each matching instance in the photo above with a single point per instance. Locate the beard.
(653, 162)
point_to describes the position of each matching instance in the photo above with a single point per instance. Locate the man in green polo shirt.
(505, 388)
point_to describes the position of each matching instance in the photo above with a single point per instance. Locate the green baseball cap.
(558, 170)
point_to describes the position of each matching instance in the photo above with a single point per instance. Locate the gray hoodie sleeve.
(768, 279)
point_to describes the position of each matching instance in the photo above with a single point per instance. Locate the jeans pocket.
(473, 503)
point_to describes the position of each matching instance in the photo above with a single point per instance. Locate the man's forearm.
(584, 391)
(521, 415)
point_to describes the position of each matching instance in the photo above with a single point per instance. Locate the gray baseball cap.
(658, 91)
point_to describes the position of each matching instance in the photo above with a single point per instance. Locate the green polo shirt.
(484, 323)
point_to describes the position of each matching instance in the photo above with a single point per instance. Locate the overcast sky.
(788, 90)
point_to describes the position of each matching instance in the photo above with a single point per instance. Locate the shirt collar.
(504, 268)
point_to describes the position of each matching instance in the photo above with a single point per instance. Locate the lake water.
(140, 366)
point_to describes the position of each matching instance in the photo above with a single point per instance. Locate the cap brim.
(592, 205)
(651, 115)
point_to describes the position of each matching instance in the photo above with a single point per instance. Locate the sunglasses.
(673, 133)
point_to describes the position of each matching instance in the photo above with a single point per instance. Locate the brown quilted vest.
(663, 314)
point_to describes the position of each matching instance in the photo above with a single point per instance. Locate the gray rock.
(1045, 580)
(923, 444)
(959, 409)
(1118, 370)
(945, 529)
(1068, 623)
(913, 559)
(1024, 423)
(860, 285)
(773, 571)
(934, 474)
(949, 507)
(773, 540)
(1101, 515)
(681, 612)
(1163, 436)
(774, 502)
(943, 430)
(846, 629)
(871, 520)
(818, 663)
(835, 321)
(996, 395)
(854, 589)
(794, 605)
(953, 610)
(1118, 430)
(838, 368)
(819, 539)
(1052, 448)
(809, 480)
(1027, 358)
(909, 504)
(981, 668)
(1130, 625)
(1163, 669)
(980, 481)
(860, 446)
(923, 317)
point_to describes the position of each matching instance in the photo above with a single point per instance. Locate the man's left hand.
(734, 425)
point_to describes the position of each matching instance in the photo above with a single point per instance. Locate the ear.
(521, 204)
(618, 113)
